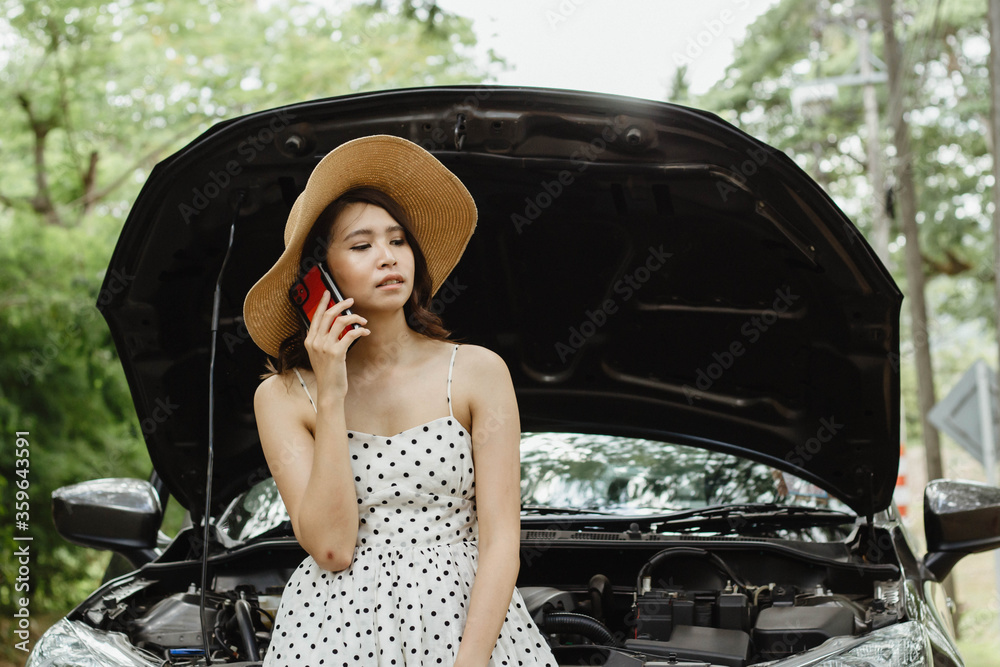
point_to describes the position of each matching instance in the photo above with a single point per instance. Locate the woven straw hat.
(442, 218)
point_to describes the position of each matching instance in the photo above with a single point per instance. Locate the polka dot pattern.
(404, 599)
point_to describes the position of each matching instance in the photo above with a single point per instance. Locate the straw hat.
(441, 211)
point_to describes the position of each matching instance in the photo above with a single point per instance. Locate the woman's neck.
(389, 343)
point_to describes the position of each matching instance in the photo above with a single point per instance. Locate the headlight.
(72, 644)
(900, 645)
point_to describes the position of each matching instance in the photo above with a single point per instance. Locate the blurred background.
(892, 117)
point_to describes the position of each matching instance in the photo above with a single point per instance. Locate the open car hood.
(644, 268)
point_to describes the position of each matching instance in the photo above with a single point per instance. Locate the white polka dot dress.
(404, 598)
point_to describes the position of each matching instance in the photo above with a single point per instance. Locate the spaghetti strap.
(451, 412)
(311, 401)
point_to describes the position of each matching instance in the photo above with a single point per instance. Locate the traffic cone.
(902, 492)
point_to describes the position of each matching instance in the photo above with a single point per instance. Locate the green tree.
(95, 93)
(766, 91)
(680, 86)
(944, 68)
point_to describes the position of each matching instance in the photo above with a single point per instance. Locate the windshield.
(602, 473)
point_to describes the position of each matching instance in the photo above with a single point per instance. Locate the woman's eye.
(361, 246)
(398, 242)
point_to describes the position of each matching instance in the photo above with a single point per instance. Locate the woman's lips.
(391, 284)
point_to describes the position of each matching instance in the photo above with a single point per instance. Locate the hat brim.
(442, 216)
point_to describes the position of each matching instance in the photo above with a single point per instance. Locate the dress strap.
(454, 352)
(311, 401)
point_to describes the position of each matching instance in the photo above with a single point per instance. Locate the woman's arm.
(313, 471)
(496, 440)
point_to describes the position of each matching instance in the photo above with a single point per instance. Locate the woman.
(395, 451)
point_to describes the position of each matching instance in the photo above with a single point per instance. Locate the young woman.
(396, 452)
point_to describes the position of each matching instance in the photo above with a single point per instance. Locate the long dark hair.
(292, 352)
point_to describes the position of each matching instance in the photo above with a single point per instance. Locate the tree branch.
(92, 196)
(7, 201)
(89, 179)
(41, 202)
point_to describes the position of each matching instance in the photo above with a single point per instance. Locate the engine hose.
(246, 630)
(578, 624)
(601, 596)
(679, 552)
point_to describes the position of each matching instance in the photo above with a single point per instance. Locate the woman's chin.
(383, 302)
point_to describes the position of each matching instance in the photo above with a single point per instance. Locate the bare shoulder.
(275, 394)
(481, 363)
(481, 377)
(486, 395)
(273, 387)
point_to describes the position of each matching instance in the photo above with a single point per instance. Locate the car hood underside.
(645, 269)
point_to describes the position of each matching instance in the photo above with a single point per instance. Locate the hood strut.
(206, 517)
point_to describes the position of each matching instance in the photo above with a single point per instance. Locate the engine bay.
(683, 603)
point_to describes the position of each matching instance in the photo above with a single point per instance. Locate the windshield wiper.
(745, 515)
(553, 509)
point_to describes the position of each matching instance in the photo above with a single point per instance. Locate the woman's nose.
(388, 256)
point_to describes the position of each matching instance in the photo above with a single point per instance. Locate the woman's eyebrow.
(364, 231)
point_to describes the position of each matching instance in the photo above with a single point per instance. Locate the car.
(706, 357)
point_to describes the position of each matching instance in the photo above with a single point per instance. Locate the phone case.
(306, 293)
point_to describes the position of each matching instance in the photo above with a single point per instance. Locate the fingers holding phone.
(331, 326)
(328, 339)
(337, 318)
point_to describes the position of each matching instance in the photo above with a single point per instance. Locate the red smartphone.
(306, 293)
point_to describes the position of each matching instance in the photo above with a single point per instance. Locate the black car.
(705, 353)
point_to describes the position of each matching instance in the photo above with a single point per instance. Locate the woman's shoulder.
(477, 354)
(275, 390)
(481, 363)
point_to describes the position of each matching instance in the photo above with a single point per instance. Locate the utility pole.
(817, 90)
(913, 260)
(876, 175)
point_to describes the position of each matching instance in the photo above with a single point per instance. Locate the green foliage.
(945, 48)
(95, 93)
(680, 86)
(59, 381)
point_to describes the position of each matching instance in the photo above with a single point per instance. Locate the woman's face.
(370, 258)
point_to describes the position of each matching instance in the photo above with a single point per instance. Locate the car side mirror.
(960, 518)
(119, 514)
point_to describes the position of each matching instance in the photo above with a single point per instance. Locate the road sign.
(959, 413)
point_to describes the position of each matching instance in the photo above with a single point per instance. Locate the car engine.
(671, 614)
